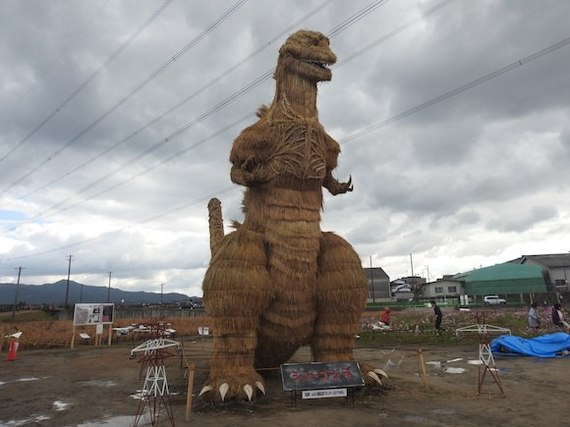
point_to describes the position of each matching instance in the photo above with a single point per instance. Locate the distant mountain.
(54, 293)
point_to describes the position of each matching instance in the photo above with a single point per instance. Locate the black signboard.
(321, 375)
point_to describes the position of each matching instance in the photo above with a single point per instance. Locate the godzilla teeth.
(321, 64)
(248, 389)
(224, 390)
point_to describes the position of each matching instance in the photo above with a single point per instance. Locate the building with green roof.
(503, 279)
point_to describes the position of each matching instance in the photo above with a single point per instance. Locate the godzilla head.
(307, 54)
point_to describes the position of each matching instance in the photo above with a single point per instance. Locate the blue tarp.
(548, 345)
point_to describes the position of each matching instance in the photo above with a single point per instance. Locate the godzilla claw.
(375, 377)
(260, 386)
(381, 372)
(223, 390)
(349, 183)
(205, 390)
(248, 390)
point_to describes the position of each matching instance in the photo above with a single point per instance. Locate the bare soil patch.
(91, 386)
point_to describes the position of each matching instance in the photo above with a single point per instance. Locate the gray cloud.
(459, 183)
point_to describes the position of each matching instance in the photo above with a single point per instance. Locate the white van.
(493, 299)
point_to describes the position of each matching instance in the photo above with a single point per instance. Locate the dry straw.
(278, 282)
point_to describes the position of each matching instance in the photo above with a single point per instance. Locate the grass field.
(409, 326)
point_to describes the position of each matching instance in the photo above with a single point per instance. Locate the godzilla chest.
(300, 151)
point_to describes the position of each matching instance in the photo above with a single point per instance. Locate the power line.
(132, 177)
(179, 104)
(93, 75)
(45, 70)
(137, 89)
(355, 18)
(562, 43)
(341, 27)
(536, 55)
(394, 32)
(337, 30)
(203, 199)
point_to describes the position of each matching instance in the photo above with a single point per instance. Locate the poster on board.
(93, 314)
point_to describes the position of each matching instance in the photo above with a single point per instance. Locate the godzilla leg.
(235, 294)
(341, 296)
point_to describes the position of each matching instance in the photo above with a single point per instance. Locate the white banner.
(93, 314)
(318, 394)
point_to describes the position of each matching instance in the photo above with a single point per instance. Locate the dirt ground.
(97, 386)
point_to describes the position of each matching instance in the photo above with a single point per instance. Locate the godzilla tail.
(216, 224)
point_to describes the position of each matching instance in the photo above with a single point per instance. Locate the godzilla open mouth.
(323, 65)
(314, 69)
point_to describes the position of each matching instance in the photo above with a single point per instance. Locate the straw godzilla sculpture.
(278, 282)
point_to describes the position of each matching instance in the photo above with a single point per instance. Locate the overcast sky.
(117, 119)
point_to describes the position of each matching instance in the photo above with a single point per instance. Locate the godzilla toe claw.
(248, 390)
(260, 386)
(375, 377)
(205, 390)
(223, 390)
(381, 372)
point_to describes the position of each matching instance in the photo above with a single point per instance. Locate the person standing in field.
(533, 318)
(438, 317)
(558, 317)
(385, 316)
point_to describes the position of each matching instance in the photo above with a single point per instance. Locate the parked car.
(493, 299)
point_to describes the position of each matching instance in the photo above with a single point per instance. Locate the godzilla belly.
(293, 248)
(287, 212)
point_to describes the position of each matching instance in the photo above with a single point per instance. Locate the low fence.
(140, 313)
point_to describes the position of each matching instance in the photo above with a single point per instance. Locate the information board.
(93, 314)
(321, 375)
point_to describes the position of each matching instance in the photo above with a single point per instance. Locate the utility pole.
(161, 286)
(69, 258)
(412, 264)
(372, 282)
(109, 289)
(16, 294)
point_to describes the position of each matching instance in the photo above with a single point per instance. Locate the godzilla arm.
(250, 155)
(332, 150)
(336, 187)
(249, 173)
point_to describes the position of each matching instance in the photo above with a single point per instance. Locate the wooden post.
(422, 367)
(191, 370)
(110, 333)
(73, 338)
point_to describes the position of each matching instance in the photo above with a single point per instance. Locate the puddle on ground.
(418, 420)
(24, 422)
(443, 411)
(58, 405)
(450, 370)
(122, 421)
(25, 379)
(99, 383)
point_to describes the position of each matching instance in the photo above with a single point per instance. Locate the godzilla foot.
(239, 385)
(372, 375)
